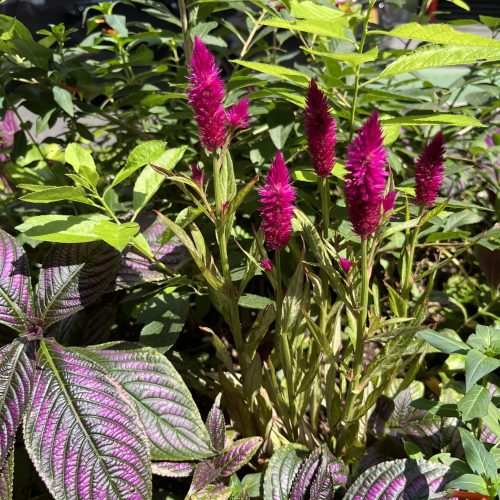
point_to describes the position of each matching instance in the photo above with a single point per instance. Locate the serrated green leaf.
(436, 119)
(116, 235)
(474, 404)
(352, 58)
(82, 162)
(478, 365)
(288, 74)
(320, 27)
(49, 194)
(306, 9)
(478, 458)
(470, 482)
(444, 343)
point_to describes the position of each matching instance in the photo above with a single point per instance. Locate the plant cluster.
(259, 208)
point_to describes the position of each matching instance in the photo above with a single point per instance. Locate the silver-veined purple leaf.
(16, 382)
(212, 492)
(7, 478)
(281, 471)
(238, 455)
(401, 479)
(304, 478)
(216, 425)
(170, 415)
(330, 475)
(73, 276)
(173, 469)
(83, 433)
(15, 300)
(204, 474)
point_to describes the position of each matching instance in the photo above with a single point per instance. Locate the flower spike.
(237, 116)
(429, 172)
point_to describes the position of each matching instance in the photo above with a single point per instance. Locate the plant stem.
(185, 30)
(324, 190)
(357, 69)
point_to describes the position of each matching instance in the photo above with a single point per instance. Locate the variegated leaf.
(204, 474)
(305, 475)
(212, 492)
(15, 301)
(173, 469)
(216, 425)
(238, 455)
(16, 382)
(83, 433)
(415, 479)
(172, 420)
(73, 276)
(7, 478)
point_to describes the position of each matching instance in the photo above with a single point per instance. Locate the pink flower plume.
(345, 264)
(429, 172)
(237, 116)
(320, 130)
(206, 96)
(276, 200)
(8, 127)
(366, 177)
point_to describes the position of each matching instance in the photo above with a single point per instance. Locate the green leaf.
(436, 56)
(82, 162)
(149, 180)
(320, 27)
(49, 194)
(64, 100)
(446, 235)
(143, 154)
(478, 365)
(486, 339)
(492, 22)
(443, 342)
(62, 228)
(461, 4)
(251, 301)
(396, 302)
(305, 9)
(436, 408)
(118, 23)
(474, 404)
(478, 458)
(292, 301)
(116, 235)
(352, 58)
(439, 33)
(7, 478)
(436, 119)
(469, 482)
(288, 74)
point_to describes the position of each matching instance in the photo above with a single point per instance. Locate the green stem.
(185, 30)
(324, 189)
(357, 70)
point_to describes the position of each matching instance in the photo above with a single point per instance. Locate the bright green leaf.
(474, 404)
(478, 365)
(116, 235)
(82, 162)
(63, 99)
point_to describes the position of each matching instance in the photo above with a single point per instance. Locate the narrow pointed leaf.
(216, 426)
(478, 458)
(204, 474)
(415, 479)
(305, 475)
(170, 416)
(282, 469)
(74, 276)
(240, 453)
(82, 432)
(7, 478)
(173, 469)
(14, 283)
(16, 382)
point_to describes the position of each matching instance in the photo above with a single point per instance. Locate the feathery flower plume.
(206, 96)
(389, 201)
(276, 200)
(345, 264)
(320, 130)
(8, 127)
(366, 177)
(197, 174)
(266, 264)
(237, 116)
(429, 170)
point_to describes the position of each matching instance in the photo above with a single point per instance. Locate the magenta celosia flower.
(429, 170)
(366, 177)
(206, 96)
(276, 200)
(320, 130)
(237, 116)
(8, 127)
(389, 201)
(197, 174)
(345, 264)
(266, 264)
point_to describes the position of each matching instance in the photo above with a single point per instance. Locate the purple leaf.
(73, 276)
(415, 479)
(330, 475)
(213, 492)
(16, 382)
(216, 425)
(7, 478)
(82, 432)
(170, 416)
(15, 303)
(173, 469)
(282, 469)
(137, 269)
(238, 455)
(204, 474)
(305, 476)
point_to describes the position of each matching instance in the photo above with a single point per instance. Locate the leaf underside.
(83, 433)
(7, 478)
(16, 381)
